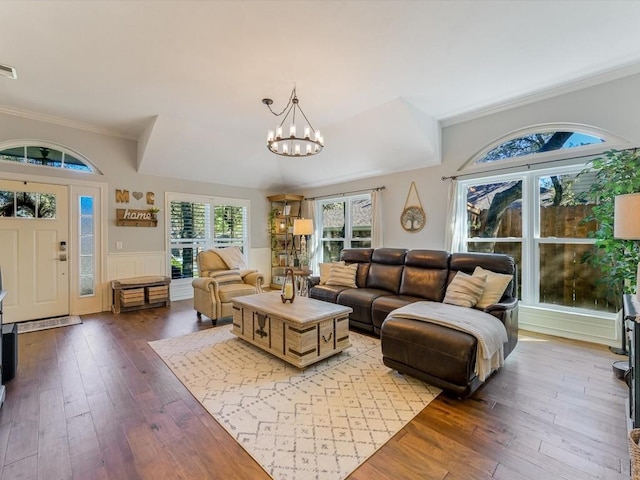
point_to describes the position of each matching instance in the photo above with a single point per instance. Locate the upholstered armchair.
(223, 276)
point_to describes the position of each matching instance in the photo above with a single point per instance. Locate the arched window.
(45, 155)
(527, 195)
(538, 143)
(545, 142)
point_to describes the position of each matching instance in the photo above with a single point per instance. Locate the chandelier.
(309, 143)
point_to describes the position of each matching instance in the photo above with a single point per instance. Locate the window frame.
(209, 240)
(571, 154)
(531, 239)
(27, 143)
(348, 222)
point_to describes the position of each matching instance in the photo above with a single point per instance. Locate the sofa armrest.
(313, 280)
(506, 304)
(205, 283)
(256, 279)
(507, 312)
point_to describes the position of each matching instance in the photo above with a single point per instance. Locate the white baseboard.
(601, 328)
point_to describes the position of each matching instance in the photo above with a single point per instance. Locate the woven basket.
(634, 453)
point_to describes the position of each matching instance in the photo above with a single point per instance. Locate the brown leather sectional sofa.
(389, 278)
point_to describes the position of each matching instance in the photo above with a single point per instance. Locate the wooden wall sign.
(122, 196)
(130, 217)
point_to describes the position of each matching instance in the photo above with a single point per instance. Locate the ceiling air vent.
(8, 71)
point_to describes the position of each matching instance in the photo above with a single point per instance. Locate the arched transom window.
(544, 142)
(45, 155)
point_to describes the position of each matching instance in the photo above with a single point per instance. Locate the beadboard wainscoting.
(603, 328)
(132, 264)
(136, 264)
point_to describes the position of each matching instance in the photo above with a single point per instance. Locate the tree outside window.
(345, 223)
(199, 225)
(540, 217)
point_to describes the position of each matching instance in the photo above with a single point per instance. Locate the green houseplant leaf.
(617, 173)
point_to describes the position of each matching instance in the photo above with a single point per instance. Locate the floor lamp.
(303, 227)
(626, 226)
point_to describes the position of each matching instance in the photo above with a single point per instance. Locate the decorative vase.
(288, 289)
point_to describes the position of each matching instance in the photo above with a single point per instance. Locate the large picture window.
(199, 223)
(539, 218)
(345, 222)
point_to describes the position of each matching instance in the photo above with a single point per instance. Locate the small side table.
(302, 281)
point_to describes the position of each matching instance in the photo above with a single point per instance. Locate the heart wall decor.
(137, 195)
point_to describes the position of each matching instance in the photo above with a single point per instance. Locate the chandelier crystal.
(293, 145)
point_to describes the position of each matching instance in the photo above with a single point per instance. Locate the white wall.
(143, 248)
(612, 106)
(116, 159)
(433, 196)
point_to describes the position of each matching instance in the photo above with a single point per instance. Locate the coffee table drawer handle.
(327, 340)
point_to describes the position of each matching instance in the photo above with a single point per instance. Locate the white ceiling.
(186, 79)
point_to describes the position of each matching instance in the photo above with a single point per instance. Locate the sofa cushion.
(384, 305)
(438, 351)
(343, 275)
(209, 260)
(467, 263)
(325, 269)
(360, 301)
(385, 277)
(233, 257)
(224, 277)
(361, 256)
(233, 290)
(494, 288)
(326, 293)
(465, 290)
(389, 256)
(425, 274)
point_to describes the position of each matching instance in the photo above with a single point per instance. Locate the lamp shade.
(303, 226)
(626, 219)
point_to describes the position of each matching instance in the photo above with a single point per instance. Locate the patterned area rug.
(320, 423)
(35, 325)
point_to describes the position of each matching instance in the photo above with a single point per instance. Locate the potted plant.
(617, 173)
(154, 212)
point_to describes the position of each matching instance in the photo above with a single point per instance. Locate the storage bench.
(140, 292)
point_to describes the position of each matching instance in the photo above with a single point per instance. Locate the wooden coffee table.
(301, 333)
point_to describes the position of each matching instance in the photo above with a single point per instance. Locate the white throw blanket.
(488, 330)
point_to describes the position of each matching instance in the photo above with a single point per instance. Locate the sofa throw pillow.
(325, 270)
(226, 277)
(494, 288)
(233, 257)
(464, 290)
(343, 275)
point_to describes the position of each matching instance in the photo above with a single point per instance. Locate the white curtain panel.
(452, 234)
(376, 219)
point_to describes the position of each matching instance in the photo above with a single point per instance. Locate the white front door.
(34, 231)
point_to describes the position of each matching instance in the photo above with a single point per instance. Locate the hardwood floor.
(93, 401)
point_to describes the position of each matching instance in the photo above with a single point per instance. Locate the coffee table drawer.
(342, 332)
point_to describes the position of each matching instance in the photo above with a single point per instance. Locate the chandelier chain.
(293, 94)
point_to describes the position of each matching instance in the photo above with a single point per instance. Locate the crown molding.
(562, 88)
(41, 117)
